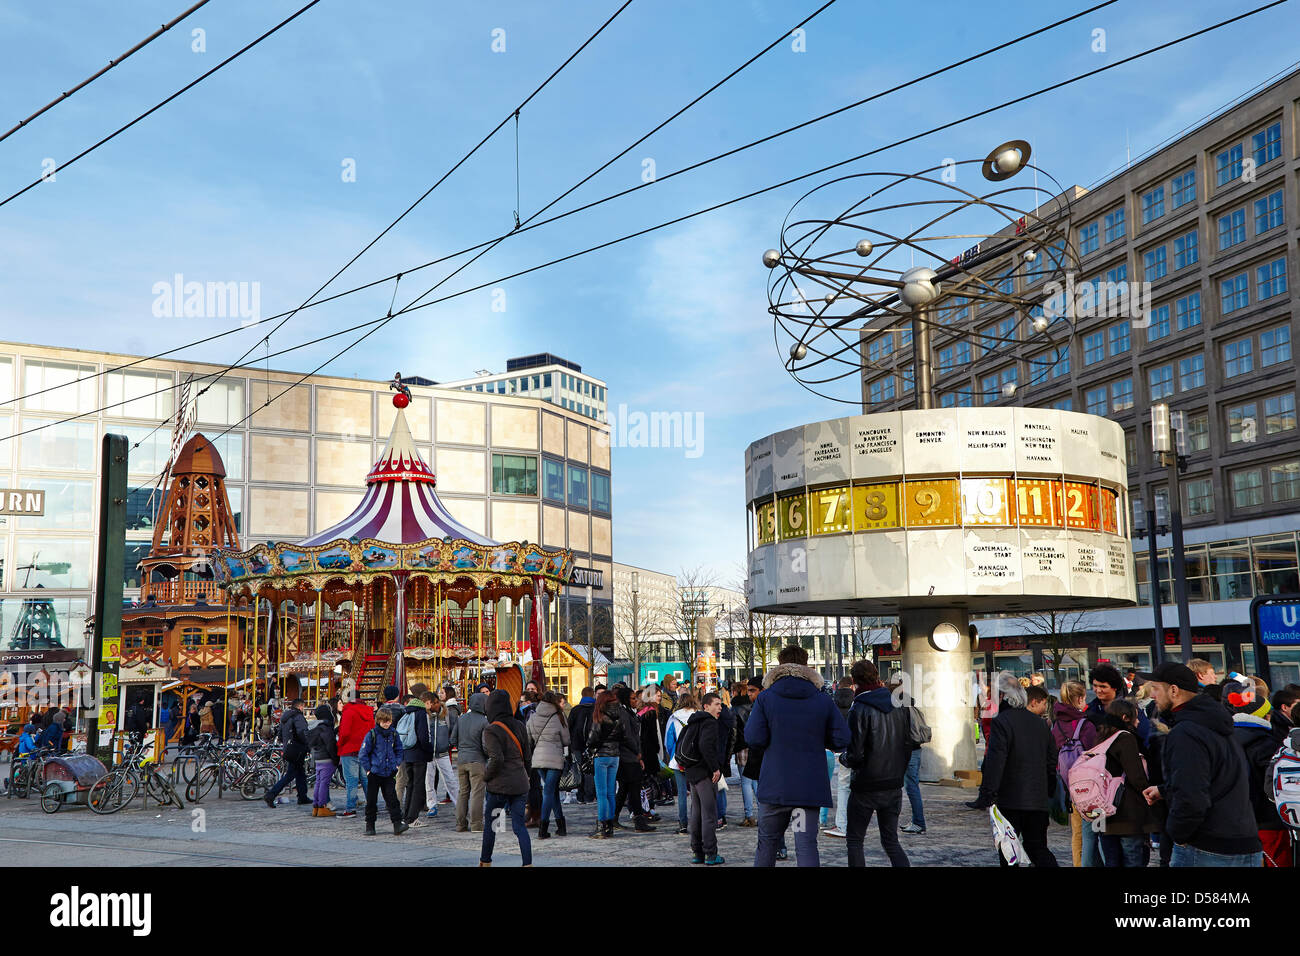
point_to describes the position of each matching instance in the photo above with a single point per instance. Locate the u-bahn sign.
(1274, 622)
(26, 501)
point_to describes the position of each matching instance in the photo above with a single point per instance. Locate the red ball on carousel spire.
(403, 396)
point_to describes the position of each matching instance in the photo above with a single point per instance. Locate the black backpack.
(687, 752)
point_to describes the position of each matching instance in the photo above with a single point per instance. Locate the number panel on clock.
(931, 504)
(828, 510)
(875, 506)
(792, 515)
(984, 501)
(1080, 503)
(1109, 517)
(766, 516)
(1038, 502)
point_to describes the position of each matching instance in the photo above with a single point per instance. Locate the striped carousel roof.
(400, 505)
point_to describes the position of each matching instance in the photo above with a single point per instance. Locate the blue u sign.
(1279, 624)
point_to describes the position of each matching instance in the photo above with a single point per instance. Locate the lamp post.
(636, 641)
(1163, 443)
(591, 642)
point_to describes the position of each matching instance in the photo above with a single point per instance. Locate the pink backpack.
(1093, 790)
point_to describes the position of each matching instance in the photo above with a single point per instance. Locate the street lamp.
(1166, 439)
(636, 642)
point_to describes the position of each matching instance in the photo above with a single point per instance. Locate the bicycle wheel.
(21, 782)
(199, 787)
(257, 782)
(51, 798)
(161, 792)
(111, 793)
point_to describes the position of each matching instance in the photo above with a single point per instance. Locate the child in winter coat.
(325, 751)
(380, 757)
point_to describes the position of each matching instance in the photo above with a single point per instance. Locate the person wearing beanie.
(1206, 776)
(325, 751)
(53, 737)
(505, 775)
(467, 738)
(1253, 727)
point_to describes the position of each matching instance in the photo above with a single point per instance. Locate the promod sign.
(21, 502)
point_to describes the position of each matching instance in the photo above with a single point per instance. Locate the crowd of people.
(1174, 760)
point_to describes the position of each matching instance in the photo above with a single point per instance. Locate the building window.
(553, 480)
(600, 493)
(1275, 346)
(946, 361)
(1238, 357)
(1120, 338)
(221, 403)
(907, 374)
(1198, 497)
(948, 400)
(1243, 423)
(1186, 250)
(1064, 404)
(1094, 399)
(1006, 329)
(577, 487)
(58, 387)
(963, 353)
(1198, 432)
(1234, 294)
(1279, 413)
(1232, 229)
(57, 446)
(514, 475)
(1270, 279)
(1248, 488)
(1266, 145)
(1153, 204)
(965, 399)
(1094, 347)
(1114, 225)
(989, 389)
(1154, 264)
(1268, 212)
(60, 562)
(1088, 241)
(1183, 188)
(1161, 381)
(1121, 394)
(1191, 371)
(880, 348)
(1158, 323)
(1187, 311)
(1009, 376)
(1284, 481)
(1228, 164)
(1117, 281)
(882, 389)
(139, 393)
(1131, 448)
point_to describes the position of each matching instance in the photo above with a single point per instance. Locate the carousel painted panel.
(336, 558)
(426, 557)
(296, 562)
(504, 559)
(466, 557)
(379, 557)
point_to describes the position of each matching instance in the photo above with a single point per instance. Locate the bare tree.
(691, 604)
(1055, 631)
(636, 624)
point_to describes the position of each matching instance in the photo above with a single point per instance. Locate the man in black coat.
(415, 759)
(579, 729)
(293, 734)
(1020, 771)
(878, 754)
(1206, 776)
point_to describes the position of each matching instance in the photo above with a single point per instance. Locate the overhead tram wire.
(94, 76)
(153, 109)
(383, 320)
(425, 195)
(590, 205)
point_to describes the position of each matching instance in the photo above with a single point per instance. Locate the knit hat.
(1240, 696)
(323, 712)
(391, 692)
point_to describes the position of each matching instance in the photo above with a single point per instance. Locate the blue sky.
(240, 180)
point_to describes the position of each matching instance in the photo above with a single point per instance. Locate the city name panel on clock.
(987, 508)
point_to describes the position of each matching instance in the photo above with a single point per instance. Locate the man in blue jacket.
(795, 724)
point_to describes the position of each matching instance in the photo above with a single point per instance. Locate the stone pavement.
(232, 831)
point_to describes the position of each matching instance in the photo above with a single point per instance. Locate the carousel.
(399, 592)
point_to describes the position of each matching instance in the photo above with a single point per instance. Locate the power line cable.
(111, 63)
(153, 109)
(618, 195)
(374, 324)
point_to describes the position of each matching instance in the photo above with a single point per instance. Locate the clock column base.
(942, 683)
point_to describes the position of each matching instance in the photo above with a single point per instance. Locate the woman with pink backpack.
(1108, 780)
(1074, 734)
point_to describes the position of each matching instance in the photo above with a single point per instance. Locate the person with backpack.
(1255, 732)
(603, 746)
(1206, 777)
(325, 752)
(1074, 734)
(912, 778)
(548, 733)
(677, 722)
(698, 753)
(1108, 781)
(652, 746)
(1019, 774)
(467, 738)
(879, 748)
(505, 775)
(293, 734)
(417, 752)
(795, 724)
(380, 757)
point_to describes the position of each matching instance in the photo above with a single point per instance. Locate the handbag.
(570, 778)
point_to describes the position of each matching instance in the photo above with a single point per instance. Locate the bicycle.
(118, 787)
(25, 774)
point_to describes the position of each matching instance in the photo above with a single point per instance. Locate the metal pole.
(924, 379)
(636, 640)
(839, 649)
(108, 572)
(591, 635)
(1176, 557)
(1153, 577)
